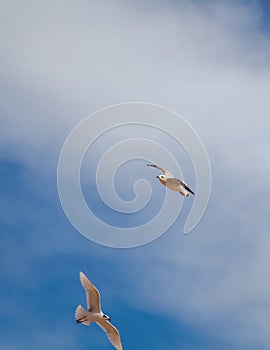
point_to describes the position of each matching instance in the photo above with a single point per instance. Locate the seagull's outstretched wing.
(112, 333)
(165, 171)
(186, 187)
(92, 294)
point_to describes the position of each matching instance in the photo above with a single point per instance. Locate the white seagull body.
(94, 313)
(168, 180)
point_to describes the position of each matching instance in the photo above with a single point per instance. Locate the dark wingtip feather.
(189, 190)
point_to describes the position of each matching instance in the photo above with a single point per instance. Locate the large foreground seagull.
(94, 313)
(168, 180)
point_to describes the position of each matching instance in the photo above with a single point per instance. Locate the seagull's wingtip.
(84, 280)
(82, 275)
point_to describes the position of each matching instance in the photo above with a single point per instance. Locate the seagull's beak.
(108, 319)
(157, 177)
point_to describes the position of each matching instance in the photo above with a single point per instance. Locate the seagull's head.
(162, 178)
(106, 317)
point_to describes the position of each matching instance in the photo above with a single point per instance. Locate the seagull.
(94, 313)
(168, 180)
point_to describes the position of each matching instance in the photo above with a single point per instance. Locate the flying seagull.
(168, 180)
(94, 313)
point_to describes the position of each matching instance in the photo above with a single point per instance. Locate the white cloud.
(209, 62)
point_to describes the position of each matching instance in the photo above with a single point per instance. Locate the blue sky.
(208, 61)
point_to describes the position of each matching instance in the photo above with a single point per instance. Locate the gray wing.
(112, 333)
(186, 186)
(165, 171)
(92, 294)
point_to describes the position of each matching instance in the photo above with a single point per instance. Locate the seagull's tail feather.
(81, 316)
(184, 193)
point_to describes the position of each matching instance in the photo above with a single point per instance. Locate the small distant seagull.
(94, 313)
(168, 180)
